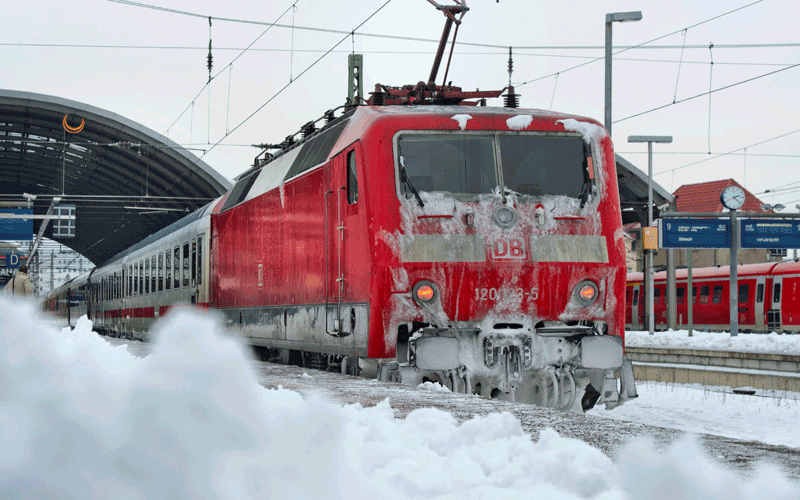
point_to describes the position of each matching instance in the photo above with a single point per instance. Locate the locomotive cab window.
(680, 295)
(352, 178)
(469, 164)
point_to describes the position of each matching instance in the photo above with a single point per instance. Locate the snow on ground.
(769, 419)
(80, 418)
(719, 341)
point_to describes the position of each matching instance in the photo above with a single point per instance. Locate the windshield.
(455, 163)
(539, 165)
(466, 164)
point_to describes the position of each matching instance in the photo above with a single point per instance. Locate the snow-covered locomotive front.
(505, 255)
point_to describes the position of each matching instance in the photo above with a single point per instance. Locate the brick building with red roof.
(704, 197)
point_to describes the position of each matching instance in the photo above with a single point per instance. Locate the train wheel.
(350, 365)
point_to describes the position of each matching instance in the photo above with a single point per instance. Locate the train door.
(336, 322)
(636, 318)
(760, 325)
(774, 313)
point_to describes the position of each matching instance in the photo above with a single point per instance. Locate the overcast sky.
(149, 65)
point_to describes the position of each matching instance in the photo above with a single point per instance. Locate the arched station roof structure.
(126, 180)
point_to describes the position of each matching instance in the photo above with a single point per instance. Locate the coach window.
(147, 275)
(194, 263)
(186, 264)
(656, 296)
(680, 295)
(694, 295)
(167, 270)
(704, 294)
(135, 279)
(636, 297)
(199, 259)
(760, 293)
(153, 273)
(161, 271)
(776, 292)
(130, 281)
(744, 294)
(141, 277)
(717, 295)
(176, 267)
(352, 178)
(115, 292)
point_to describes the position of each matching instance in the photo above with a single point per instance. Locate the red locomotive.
(413, 238)
(768, 298)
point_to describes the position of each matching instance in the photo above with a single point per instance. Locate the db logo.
(509, 249)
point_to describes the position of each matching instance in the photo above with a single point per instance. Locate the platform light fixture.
(650, 139)
(615, 17)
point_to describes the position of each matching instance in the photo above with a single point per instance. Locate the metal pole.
(734, 293)
(650, 318)
(607, 121)
(672, 314)
(689, 289)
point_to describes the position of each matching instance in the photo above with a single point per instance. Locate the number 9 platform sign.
(694, 233)
(13, 226)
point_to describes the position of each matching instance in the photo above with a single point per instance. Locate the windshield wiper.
(587, 180)
(404, 178)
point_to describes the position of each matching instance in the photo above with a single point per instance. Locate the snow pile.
(462, 120)
(82, 419)
(519, 122)
(433, 386)
(716, 341)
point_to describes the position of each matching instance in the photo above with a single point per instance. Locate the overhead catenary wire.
(472, 44)
(729, 152)
(166, 189)
(648, 42)
(707, 93)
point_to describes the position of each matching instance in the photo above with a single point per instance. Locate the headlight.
(425, 292)
(587, 291)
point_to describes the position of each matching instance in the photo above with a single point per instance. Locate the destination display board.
(16, 228)
(769, 233)
(694, 233)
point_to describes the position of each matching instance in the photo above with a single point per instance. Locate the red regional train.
(768, 298)
(417, 236)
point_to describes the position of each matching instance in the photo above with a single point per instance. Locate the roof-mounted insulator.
(329, 116)
(289, 141)
(511, 100)
(308, 129)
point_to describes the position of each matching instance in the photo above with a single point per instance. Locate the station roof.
(126, 180)
(633, 192)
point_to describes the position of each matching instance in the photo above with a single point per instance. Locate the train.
(420, 235)
(768, 298)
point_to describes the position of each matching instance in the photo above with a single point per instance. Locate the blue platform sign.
(16, 229)
(694, 233)
(12, 260)
(770, 233)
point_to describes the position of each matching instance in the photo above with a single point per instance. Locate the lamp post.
(616, 17)
(650, 139)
